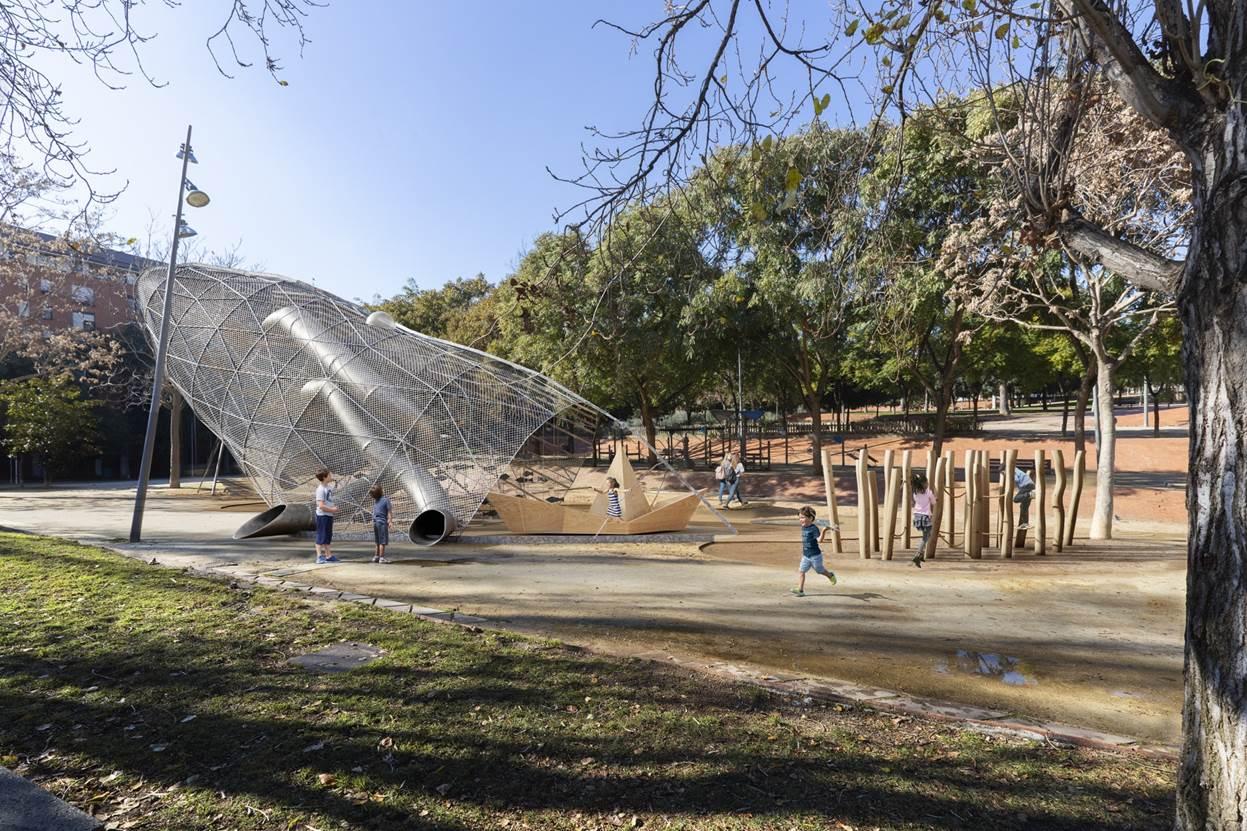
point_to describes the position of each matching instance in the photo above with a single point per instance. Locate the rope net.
(293, 379)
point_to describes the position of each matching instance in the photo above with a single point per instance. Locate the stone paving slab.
(340, 657)
(24, 806)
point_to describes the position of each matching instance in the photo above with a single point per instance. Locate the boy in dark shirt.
(382, 522)
(811, 554)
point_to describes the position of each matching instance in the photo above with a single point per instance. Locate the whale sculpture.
(293, 379)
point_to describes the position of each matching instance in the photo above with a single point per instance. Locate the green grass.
(104, 661)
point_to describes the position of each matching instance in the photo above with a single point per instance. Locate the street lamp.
(196, 199)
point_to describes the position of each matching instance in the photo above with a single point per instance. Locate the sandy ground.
(1089, 637)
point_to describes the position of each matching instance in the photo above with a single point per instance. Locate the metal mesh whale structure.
(293, 379)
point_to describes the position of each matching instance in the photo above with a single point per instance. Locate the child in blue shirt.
(382, 522)
(811, 554)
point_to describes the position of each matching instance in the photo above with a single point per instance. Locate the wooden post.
(833, 515)
(971, 488)
(890, 510)
(872, 484)
(950, 485)
(1040, 520)
(863, 508)
(982, 502)
(907, 496)
(933, 542)
(1079, 461)
(1006, 503)
(1058, 498)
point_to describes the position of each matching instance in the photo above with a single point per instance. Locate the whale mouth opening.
(431, 526)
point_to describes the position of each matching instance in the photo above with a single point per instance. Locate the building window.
(45, 286)
(84, 295)
(23, 309)
(84, 321)
(47, 312)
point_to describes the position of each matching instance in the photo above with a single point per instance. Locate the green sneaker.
(797, 592)
(831, 577)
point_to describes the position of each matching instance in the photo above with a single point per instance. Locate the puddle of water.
(1005, 668)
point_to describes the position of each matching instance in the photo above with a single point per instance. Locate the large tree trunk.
(1102, 515)
(175, 439)
(1004, 408)
(1212, 778)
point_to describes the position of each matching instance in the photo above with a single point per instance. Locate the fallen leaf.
(314, 746)
(327, 779)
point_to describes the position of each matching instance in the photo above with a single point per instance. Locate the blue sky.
(412, 139)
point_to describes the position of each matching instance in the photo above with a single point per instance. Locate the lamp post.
(196, 198)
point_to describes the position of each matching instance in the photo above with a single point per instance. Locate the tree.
(49, 419)
(789, 216)
(436, 312)
(924, 182)
(1181, 68)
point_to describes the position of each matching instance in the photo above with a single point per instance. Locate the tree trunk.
(1106, 448)
(1080, 407)
(1004, 399)
(175, 440)
(816, 433)
(651, 431)
(1212, 777)
(1065, 413)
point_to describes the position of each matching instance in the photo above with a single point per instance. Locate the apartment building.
(57, 284)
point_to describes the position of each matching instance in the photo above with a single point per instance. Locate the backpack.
(729, 474)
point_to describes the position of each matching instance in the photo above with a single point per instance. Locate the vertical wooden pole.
(971, 488)
(833, 515)
(1006, 503)
(890, 510)
(1079, 461)
(933, 542)
(907, 496)
(1058, 498)
(1040, 520)
(950, 491)
(872, 484)
(863, 508)
(985, 470)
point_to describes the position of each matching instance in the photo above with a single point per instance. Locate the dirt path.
(1090, 637)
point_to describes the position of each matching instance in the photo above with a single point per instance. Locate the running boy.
(811, 554)
(382, 522)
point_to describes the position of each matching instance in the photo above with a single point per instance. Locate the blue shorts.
(324, 530)
(815, 563)
(381, 533)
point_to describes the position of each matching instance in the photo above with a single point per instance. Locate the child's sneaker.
(1024, 526)
(320, 559)
(831, 577)
(332, 559)
(797, 592)
(381, 560)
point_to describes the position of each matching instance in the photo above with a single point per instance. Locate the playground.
(1090, 635)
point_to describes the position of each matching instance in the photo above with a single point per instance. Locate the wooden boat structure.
(640, 513)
